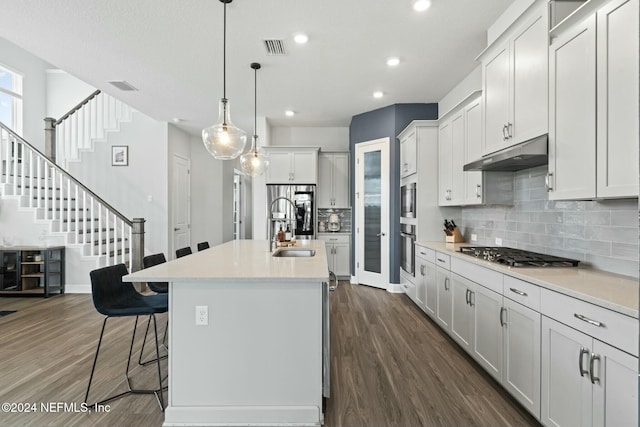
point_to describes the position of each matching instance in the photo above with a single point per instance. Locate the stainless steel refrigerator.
(293, 205)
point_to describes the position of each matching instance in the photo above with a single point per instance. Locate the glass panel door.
(372, 199)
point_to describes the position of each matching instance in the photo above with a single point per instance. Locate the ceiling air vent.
(123, 85)
(275, 47)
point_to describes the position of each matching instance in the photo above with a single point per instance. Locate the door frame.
(382, 279)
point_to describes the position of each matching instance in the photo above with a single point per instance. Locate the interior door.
(372, 213)
(181, 195)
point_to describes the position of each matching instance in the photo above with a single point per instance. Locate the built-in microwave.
(408, 237)
(408, 200)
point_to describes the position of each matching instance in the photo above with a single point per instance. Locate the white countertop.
(608, 290)
(240, 260)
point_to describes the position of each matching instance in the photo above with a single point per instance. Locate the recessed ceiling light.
(177, 119)
(393, 61)
(421, 5)
(300, 38)
(378, 94)
(289, 113)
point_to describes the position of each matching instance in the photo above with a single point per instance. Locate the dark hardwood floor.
(391, 366)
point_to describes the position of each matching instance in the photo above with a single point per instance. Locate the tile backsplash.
(602, 233)
(344, 214)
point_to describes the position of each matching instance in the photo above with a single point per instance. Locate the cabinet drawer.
(488, 278)
(608, 326)
(523, 292)
(426, 254)
(443, 260)
(334, 238)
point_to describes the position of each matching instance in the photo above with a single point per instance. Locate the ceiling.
(171, 51)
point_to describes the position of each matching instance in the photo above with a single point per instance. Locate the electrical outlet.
(474, 237)
(202, 315)
(498, 241)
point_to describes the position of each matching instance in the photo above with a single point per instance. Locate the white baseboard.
(77, 289)
(353, 280)
(395, 288)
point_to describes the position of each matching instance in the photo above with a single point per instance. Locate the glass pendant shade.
(224, 140)
(254, 162)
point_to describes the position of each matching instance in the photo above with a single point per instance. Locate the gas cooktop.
(517, 257)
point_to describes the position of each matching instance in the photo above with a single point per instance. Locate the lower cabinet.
(462, 308)
(586, 382)
(443, 297)
(338, 254)
(488, 331)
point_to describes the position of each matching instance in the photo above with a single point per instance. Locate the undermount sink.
(294, 253)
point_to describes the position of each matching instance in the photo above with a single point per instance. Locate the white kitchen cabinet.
(421, 282)
(593, 108)
(333, 180)
(521, 358)
(338, 253)
(586, 382)
(426, 279)
(462, 307)
(617, 99)
(289, 165)
(472, 180)
(515, 83)
(408, 154)
(572, 113)
(450, 160)
(488, 334)
(443, 298)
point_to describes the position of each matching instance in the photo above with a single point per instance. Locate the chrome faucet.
(272, 237)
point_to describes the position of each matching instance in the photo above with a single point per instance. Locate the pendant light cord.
(255, 110)
(224, 53)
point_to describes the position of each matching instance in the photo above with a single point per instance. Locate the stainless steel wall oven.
(408, 200)
(408, 235)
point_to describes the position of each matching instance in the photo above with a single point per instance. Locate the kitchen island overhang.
(259, 360)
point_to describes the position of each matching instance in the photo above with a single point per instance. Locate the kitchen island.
(258, 360)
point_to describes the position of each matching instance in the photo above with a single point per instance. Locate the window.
(11, 99)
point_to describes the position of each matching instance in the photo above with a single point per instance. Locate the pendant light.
(224, 140)
(254, 162)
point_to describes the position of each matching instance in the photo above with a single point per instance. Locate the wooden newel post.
(138, 244)
(50, 138)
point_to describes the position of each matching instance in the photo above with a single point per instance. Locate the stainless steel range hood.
(522, 156)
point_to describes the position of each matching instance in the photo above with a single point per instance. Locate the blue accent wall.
(382, 123)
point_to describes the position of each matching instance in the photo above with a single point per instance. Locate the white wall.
(34, 87)
(208, 202)
(64, 92)
(328, 138)
(139, 190)
(179, 144)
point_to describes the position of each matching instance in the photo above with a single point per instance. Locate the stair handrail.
(68, 175)
(77, 107)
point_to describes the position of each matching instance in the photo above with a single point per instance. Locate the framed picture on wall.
(119, 155)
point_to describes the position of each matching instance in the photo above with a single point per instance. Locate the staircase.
(85, 125)
(71, 211)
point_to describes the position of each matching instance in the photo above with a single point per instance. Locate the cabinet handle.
(516, 291)
(502, 322)
(504, 133)
(478, 191)
(583, 351)
(440, 260)
(592, 377)
(422, 253)
(589, 321)
(406, 167)
(472, 298)
(446, 283)
(509, 130)
(467, 297)
(547, 181)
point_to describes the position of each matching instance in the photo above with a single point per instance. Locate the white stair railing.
(86, 123)
(73, 208)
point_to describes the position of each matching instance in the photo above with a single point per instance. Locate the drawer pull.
(583, 351)
(516, 291)
(589, 321)
(441, 260)
(592, 377)
(422, 253)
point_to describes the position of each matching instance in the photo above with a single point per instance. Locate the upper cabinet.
(333, 180)
(408, 154)
(593, 108)
(515, 83)
(459, 143)
(292, 165)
